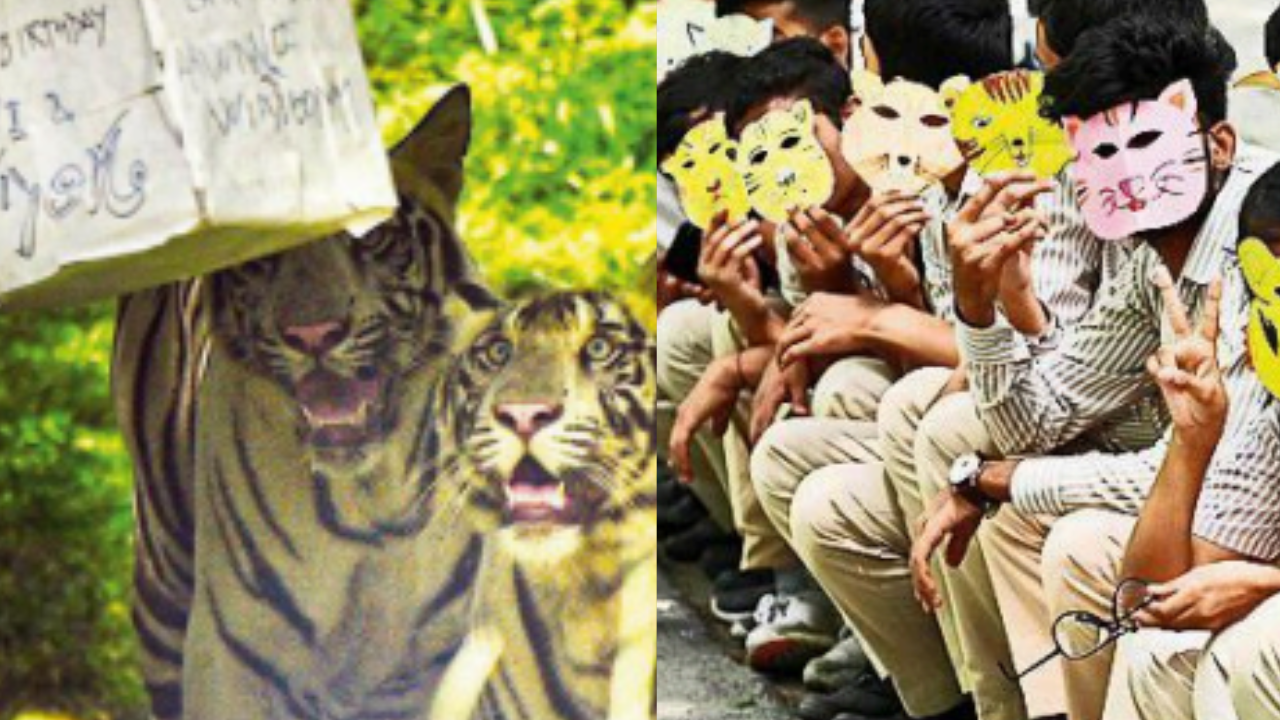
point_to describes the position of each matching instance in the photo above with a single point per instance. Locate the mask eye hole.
(731, 153)
(982, 123)
(1144, 140)
(1106, 151)
(886, 112)
(689, 164)
(789, 142)
(759, 156)
(934, 121)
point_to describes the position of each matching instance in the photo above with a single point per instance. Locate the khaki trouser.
(685, 349)
(841, 431)
(923, 433)
(1043, 567)
(1194, 676)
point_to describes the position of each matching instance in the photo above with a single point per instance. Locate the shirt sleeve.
(1032, 404)
(1068, 261)
(1061, 485)
(1239, 507)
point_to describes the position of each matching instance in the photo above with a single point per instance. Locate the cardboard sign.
(144, 141)
(690, 27)
(783, 165)
(899, 137)
(998, 126)
(1142, 166)
(1262, 272)
(705, 170)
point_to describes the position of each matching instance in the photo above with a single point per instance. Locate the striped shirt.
(1070, 399)
(1240, 504)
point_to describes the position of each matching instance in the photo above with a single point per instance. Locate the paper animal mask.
(899, 137)
(782, 163)
(705, 170)
(998, 126)
(1262, 272)
(1141, 166)
(690, 27)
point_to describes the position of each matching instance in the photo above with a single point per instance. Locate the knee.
(851, 389)
(773, 461)
(684, 332)
(823, 515)
(899, 414)
(1154, 674)
(950, 429)
(1078, 560)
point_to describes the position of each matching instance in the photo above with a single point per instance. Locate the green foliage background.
(560, 193)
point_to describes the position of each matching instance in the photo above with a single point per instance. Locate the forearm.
(1161, 547)
(912, 338)
(1026, 314)
(760, 324)
(750, 364)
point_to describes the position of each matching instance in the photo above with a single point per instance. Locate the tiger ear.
(1182, 95)
(1072, 125)
(867, 87)
(803, 113)
(434, 150)
(953, 89)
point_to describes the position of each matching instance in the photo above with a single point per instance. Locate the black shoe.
(737, 594)
(688, 545)
(721, 556)
(670, 490)
(966, 711)
(680, 515)
(870, 697)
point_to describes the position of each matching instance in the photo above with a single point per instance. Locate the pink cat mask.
(1140, 166)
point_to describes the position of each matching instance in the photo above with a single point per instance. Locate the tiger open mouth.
(534, 496)
(341, 412)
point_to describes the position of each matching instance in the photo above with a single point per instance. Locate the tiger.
(313, 568)
(558, 461)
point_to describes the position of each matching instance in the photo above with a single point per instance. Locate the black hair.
(1273, 39)
(800, 68)
(701, 86)
(932, 41)
(1260, 213)
(1066, 20)
(1136, 58)
(821, 15)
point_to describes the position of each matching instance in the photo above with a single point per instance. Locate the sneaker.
(869, 696)
(843, 665)
(688, 545)
(737, 594)
(681, 515)
(670, 491)
(791, 631)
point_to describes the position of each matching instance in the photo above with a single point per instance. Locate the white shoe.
(791, 631)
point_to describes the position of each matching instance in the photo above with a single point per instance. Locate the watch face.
(964, 469)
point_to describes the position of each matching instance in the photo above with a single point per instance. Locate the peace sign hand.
(1187, 370)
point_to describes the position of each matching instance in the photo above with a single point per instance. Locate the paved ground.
(697, 679)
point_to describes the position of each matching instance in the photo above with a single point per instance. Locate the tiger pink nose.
(528, 419)
(316, 339)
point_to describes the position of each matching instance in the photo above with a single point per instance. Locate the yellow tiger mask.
(705, 170)
(998, 126)
(783, 164)
(1262, 272)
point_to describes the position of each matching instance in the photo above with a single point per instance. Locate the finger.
(1020, 193)
(827, 226)
(744, 249)
(798, 395)
(798, 351)
(1153, 366)
(1174, 310)
(1209, 323)
(977, 205)
(896, 226)
(679, 452)
(799, 248)
(926, 586)
(978, 232)
(1174, 379)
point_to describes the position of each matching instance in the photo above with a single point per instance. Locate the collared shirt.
(1239, 505)
(1038, 405)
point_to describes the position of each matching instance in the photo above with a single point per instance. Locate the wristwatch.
(965, 473)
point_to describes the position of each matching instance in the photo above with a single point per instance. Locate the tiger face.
(998, 126)
(345, 325)
(557, 432)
